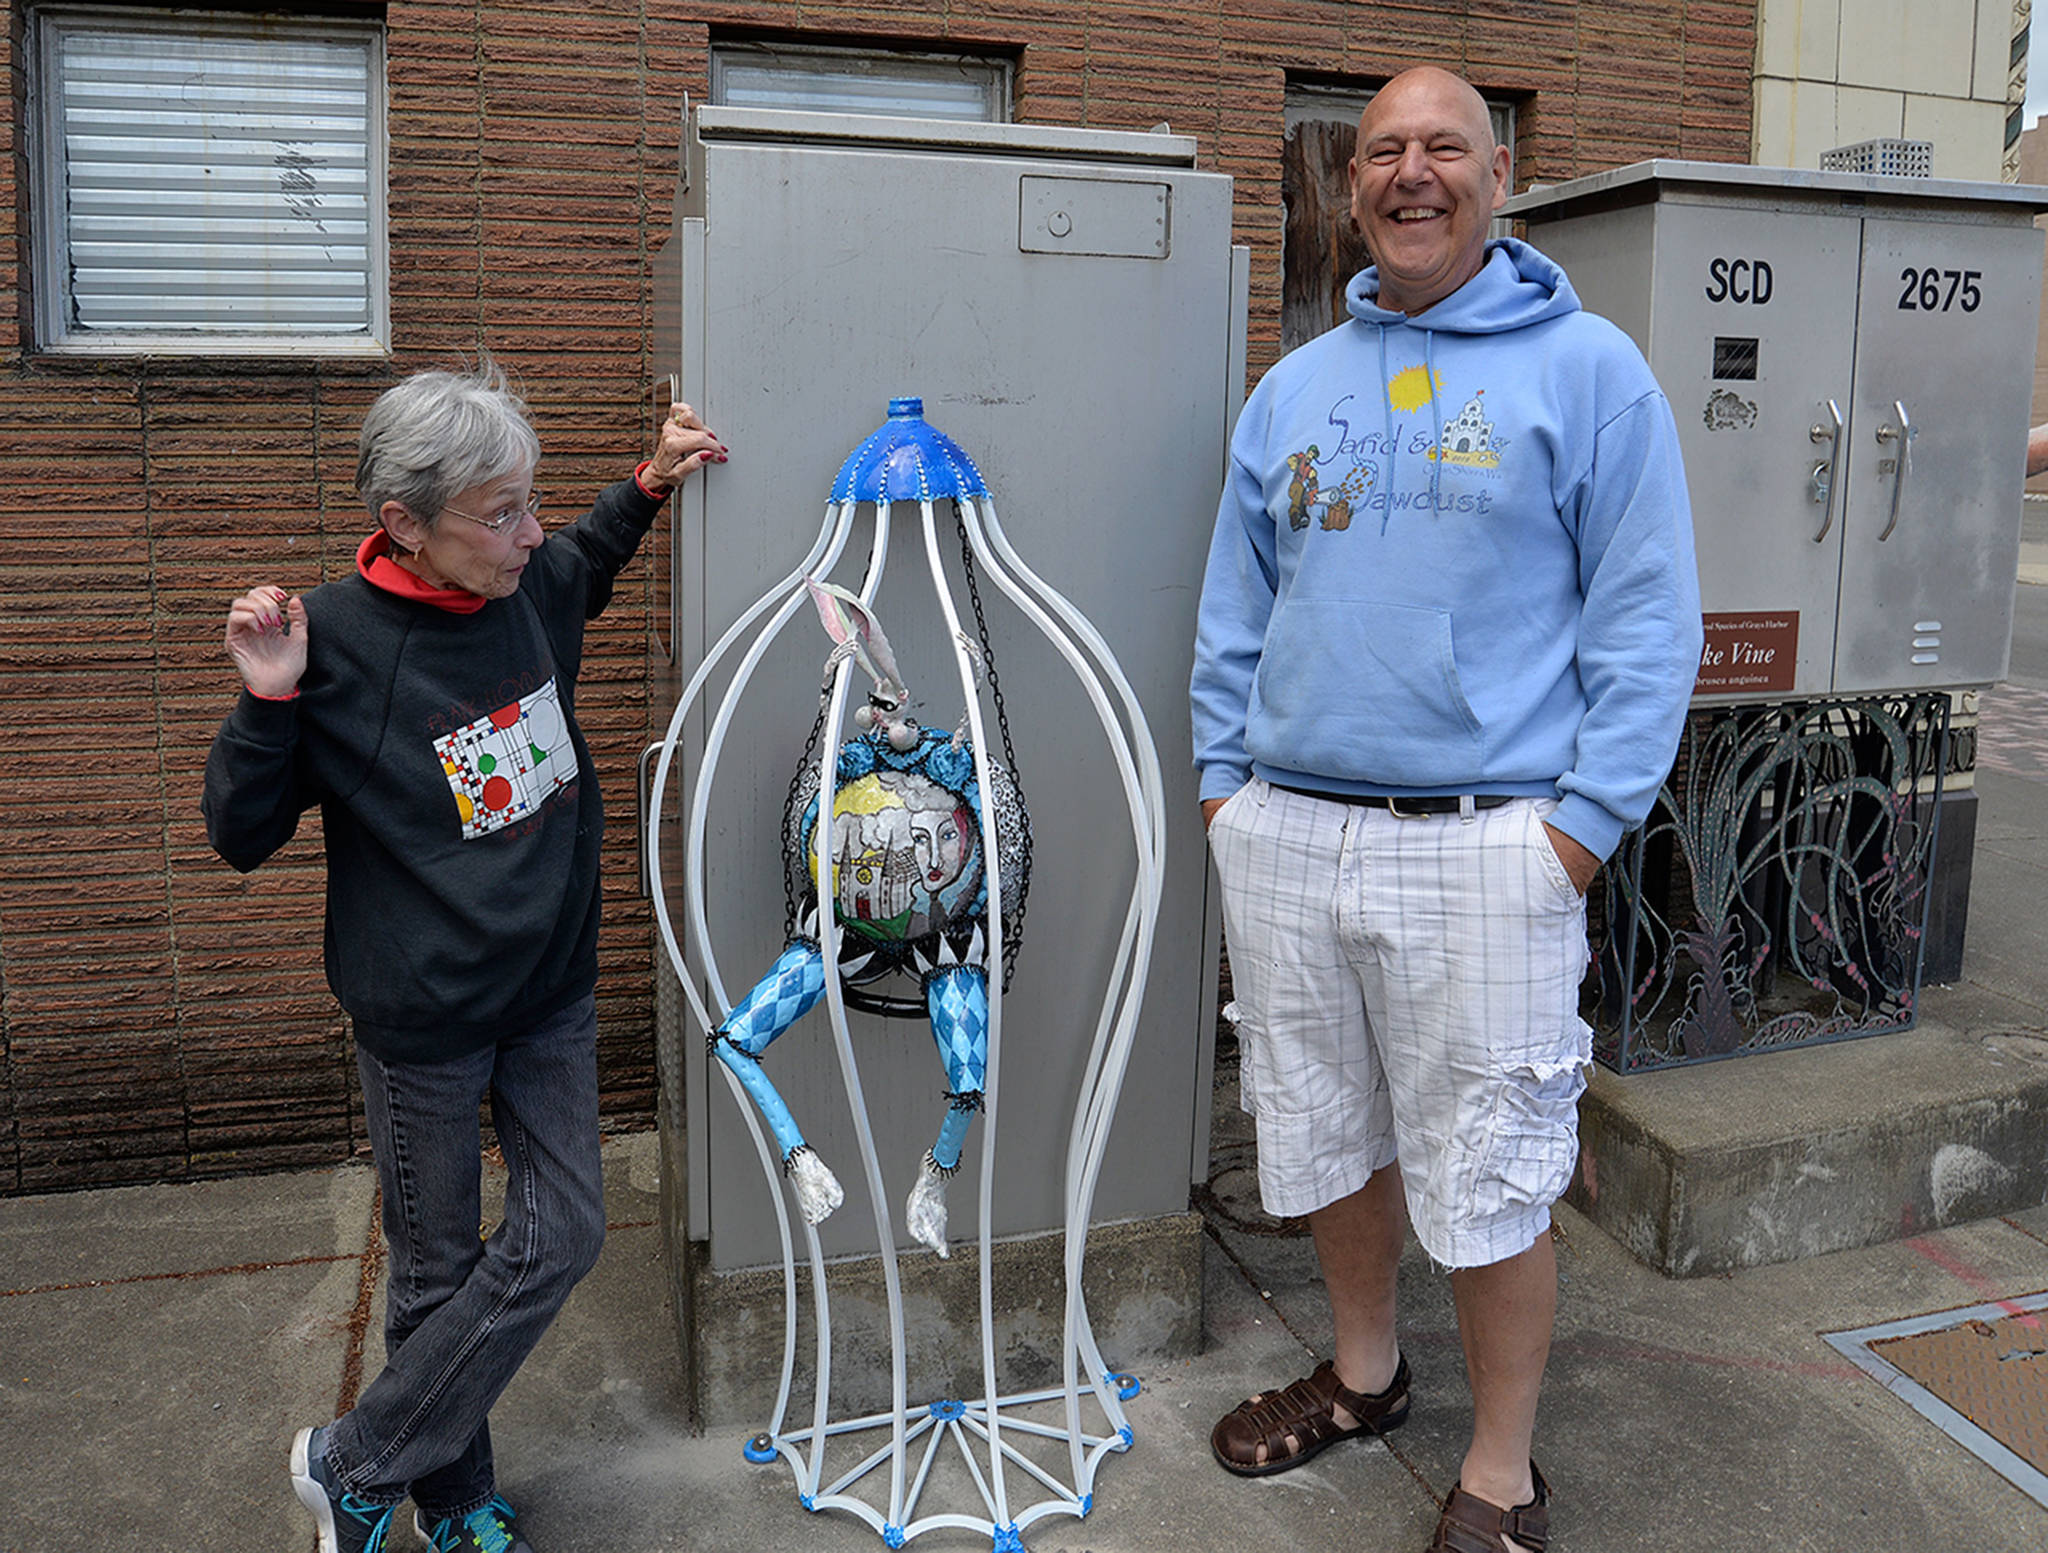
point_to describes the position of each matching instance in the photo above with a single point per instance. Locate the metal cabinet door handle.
(1827, 475)
(645, 819)
(1902, 466)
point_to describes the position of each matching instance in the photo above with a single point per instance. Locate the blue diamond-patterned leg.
(778, 1000)
(957, 998)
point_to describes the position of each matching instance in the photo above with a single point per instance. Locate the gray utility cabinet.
(1850, 358)
(1069, 307)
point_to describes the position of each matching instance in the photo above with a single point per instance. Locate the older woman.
(426, 706)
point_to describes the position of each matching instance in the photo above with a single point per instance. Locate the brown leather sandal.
(1298, 1422)
(1470, 1525)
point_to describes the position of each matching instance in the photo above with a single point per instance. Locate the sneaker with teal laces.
(347, 1523)
(488, 1530)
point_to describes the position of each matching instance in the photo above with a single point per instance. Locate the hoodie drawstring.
(1436, 415)
(1393, 450)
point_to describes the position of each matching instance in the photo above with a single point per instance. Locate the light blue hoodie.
(1454, 555)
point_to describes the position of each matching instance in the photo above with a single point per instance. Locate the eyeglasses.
(505, 517)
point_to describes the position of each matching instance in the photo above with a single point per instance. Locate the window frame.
(56, 332)
(907, 65)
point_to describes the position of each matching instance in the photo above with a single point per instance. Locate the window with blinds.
(209, 184)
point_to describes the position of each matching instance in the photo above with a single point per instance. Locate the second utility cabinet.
(1850, 359)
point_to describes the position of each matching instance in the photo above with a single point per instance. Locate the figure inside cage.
(908, 881)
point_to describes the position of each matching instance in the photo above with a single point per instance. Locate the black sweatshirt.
(456, 793)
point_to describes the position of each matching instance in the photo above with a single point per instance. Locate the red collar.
(373, 560)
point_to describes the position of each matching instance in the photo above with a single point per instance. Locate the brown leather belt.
(1407, 806)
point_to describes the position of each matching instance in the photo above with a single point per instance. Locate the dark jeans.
(462, 1312)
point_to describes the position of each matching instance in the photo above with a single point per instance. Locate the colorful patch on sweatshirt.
(504, 766)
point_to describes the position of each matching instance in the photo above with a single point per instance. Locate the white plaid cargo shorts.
(1407, 989)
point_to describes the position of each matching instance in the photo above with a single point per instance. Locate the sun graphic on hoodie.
(1410, 389)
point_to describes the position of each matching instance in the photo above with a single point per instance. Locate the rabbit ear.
(847, 621)
(839, 611)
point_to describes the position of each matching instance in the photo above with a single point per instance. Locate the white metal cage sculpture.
(908, 462)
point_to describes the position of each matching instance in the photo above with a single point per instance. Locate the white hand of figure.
(818, 1191)
(924, 1215)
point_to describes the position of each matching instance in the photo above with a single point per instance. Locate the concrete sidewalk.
(158, 1346)
(161, 1343)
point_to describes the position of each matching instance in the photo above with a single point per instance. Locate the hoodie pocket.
(1366, 692)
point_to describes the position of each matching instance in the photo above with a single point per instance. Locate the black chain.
(988, 655)
(1013, 922)
(793, 863)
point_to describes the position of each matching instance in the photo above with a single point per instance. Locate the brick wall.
(162, 1017)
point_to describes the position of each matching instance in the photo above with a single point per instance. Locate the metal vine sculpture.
(1778, 894)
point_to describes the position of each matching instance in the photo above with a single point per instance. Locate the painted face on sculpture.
(942, 848)
(906, 856)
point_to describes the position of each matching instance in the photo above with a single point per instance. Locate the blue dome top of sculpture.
(907, 459)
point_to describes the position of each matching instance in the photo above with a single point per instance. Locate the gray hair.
(438, 433)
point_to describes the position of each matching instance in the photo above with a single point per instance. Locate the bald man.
(1433, 686)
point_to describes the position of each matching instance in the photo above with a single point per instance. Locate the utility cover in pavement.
(1980, 1375)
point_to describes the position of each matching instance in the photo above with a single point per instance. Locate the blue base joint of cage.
(1008, 1541)
(1126, 1436)
(1127, 1385)
(759, 1449)
(808, 1503)
(893, 1535)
